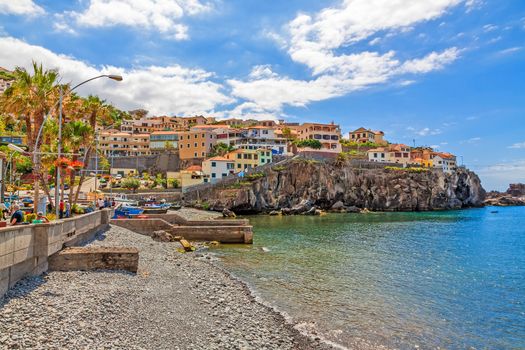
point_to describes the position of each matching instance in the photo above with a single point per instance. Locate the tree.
(131, 183)
(169, 146)
(220, 149)
(287, 133)
(174, 183)
(160, 181)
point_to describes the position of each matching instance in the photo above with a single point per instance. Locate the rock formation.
(515, 195)
(300, 185)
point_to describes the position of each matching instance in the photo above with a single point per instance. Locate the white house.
(380, 154)
(217, 167)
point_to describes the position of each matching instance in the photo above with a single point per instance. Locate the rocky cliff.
(301, 185)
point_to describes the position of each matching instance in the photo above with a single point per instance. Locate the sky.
(443, 73)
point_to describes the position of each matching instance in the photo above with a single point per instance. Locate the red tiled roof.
(194, 168)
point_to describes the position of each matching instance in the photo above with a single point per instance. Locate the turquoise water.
(450, 280)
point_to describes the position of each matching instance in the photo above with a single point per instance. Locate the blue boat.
(127, 212)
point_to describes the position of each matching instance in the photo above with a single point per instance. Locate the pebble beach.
(175, 301)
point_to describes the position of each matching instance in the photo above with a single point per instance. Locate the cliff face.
(305, 184)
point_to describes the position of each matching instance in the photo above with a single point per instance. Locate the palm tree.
(31, 97)
(95, 111)
(78, 134)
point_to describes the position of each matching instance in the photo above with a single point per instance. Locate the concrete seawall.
(224, 231)
(25, 249)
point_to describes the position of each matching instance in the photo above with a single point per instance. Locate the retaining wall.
(24, 249)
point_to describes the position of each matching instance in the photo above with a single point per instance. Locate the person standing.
(61, 209)
(68, 209)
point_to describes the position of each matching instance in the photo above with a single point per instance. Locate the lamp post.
(59, 148)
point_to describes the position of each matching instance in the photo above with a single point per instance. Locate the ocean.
(451, 279)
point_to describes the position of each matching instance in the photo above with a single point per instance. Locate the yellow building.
(249, 158)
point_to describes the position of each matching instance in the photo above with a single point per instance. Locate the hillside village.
(209, 149)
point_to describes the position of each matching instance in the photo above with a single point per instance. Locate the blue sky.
(445, 73)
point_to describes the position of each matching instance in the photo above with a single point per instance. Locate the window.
(213, 164)
(265, 132)
(224, 175)
(195, 135)
(213, 175)
(203, 154)
(203, 136)
(382, 155)
(239, 156)
(195, 154)
(239, 166)
(375, 155)
(203, 144)
(189, 145)
(181, 146)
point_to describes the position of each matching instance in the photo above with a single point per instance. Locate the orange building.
(196, 143)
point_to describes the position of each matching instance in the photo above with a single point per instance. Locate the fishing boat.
(127, 212)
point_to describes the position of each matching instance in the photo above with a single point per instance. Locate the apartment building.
(217, 168)
(188, 122)
(328, 134)
(195, 144)
(122, 144)
(363, 135)
(163, 140)
(263, 137)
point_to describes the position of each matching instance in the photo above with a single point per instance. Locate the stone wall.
(24, 249)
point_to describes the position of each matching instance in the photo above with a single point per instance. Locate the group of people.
(105, 203)
(16, 215)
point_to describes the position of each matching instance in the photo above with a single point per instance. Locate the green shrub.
(311, 143)
(279, 168)
(254, 176)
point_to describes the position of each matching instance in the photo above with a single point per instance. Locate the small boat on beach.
(127, 212)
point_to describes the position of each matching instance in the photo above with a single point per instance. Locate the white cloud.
(424, 131)
(472, 140)
(489, 28)
(519, 145)
(509, 51)
(161, 90)
(432, 61)
(374, 41)
(20, 7)
(323, 42)
(161, 15)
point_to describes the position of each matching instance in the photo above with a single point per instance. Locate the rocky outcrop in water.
(514, 196)
(300, 185)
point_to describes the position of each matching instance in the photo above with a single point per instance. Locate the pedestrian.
(101, 203)
(17, 217)
(106, 202)
(61, 208)
(68, 209)
(113, 201)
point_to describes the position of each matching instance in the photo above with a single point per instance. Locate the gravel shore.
(175, 301)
